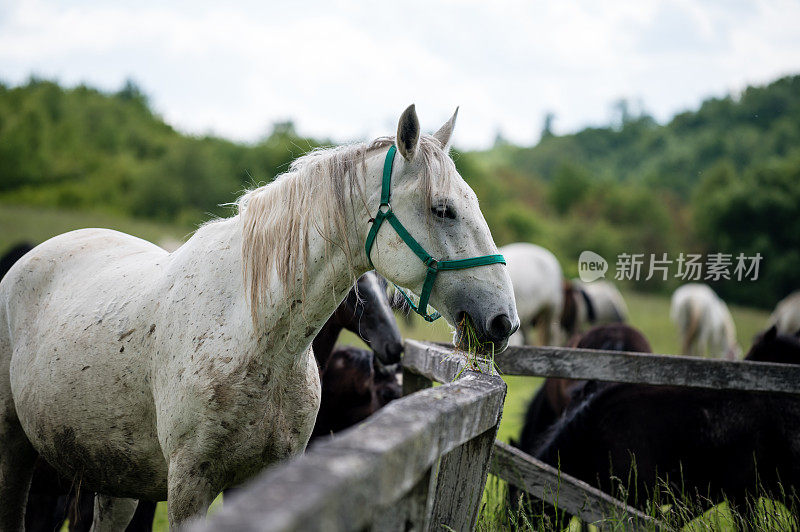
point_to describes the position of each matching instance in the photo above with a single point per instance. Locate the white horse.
(786, 317)
(537, 280)
(145, 374)
(589, 304)
(705, 324)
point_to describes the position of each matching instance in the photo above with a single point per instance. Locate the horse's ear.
(445, 133)
(408, 133)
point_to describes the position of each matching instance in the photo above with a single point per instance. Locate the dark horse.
(13, 255)
(354, 386)
(364, 311)
(705, 445)
(555, 395)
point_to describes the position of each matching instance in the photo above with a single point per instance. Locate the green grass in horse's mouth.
(480, 354)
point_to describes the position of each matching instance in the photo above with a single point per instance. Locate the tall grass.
(670, 507)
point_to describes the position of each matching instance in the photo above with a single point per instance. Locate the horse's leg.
(44, 512)
(143, 518)
(545, 332)
(555, 332)
(111, 513)
(17, 455)
(81, 510)
(189, 493)
(17, 458)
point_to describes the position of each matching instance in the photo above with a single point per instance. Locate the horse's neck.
(290, 317)
(329, 276)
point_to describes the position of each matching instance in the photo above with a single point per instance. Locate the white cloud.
(347, 69)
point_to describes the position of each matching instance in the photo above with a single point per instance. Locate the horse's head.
(431, 203)
(366, 312)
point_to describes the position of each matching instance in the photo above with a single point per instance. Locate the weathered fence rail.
(646, 368)
(563, 491)
(641, 368)
(419, 463)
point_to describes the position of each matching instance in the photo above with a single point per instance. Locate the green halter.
(434, 266)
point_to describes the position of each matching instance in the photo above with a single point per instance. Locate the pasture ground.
(648, 312)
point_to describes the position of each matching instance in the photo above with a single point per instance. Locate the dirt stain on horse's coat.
(126, 334)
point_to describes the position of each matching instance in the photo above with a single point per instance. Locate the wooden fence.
(421, 462)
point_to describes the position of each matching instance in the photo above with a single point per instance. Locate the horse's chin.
(483, 349)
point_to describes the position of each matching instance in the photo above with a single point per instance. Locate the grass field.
(35, 225)
(650, 313)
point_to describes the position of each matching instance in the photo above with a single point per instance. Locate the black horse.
(555, 395)
(706, 445)
(364, 311)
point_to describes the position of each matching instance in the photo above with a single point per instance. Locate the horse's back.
(673, 431)
(609, 304)
(75, 278)
(536, 277)
(787, 314)
(83, 251)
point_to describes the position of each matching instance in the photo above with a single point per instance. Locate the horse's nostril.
(391, 352)
(500, 327)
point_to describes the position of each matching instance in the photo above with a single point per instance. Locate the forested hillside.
(746, 131)
(723, 178)
(82, 149)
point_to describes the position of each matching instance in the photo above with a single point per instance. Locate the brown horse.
(354, 386)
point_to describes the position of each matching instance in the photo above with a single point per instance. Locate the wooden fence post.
(462, 478)
(413, 512)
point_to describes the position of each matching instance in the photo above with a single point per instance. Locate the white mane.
(315, 192)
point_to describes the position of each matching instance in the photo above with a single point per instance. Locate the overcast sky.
(346, 70)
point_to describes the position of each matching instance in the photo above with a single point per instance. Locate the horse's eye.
(443, 210)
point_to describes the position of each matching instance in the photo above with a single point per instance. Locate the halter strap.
(385, 213)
